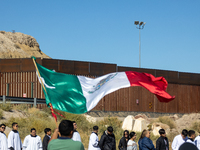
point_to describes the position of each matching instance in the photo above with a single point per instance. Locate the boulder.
(141, 116)
(140, 125)
(128, 123)
(90, 118)
(156, 126)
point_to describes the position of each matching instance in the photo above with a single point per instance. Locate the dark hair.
(33, 129)
(144, 132)
(184, 132)
(73, 122)
(2, 125)
(161, 131)
(126, 131)
(95, 128)
(191, 132)
(47, 130)
(110, 129)
(14, 123)
(65, 127)
(132, 134)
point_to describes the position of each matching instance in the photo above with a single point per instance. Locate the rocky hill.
(19, 45)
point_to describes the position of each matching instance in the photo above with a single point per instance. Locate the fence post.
(4, 99)
(35, 102)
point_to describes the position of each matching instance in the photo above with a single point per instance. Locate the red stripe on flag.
(156, 85)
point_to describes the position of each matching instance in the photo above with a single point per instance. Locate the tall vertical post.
(139, 49)
(7, 93)
(35, 102)
(4, 99)
(139, 25)
(31, 89)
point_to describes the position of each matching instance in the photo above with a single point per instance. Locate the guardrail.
(21, 100)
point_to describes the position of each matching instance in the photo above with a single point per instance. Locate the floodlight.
(136, 22)
(141, 23)
(144, 23)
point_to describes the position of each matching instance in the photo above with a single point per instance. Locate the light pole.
(139, 25)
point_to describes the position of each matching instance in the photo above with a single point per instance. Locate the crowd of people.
(66, 137)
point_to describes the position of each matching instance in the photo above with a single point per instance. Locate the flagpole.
(44, 88)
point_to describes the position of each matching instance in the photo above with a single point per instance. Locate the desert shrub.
(168, 121)
(17, 46)
(196, 126)
(6, 107)
(36, 119)
(21, 107)
(1, 113)
(171, 136)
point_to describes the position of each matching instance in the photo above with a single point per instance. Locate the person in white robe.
(76, 136)
(94, 140)
(179, 139)
(197, 142)
(3, 139)
(14, 141)
(32, 141)
(192, 136)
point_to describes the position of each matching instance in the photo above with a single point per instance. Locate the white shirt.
(3, 142)
(14, 140)
(177, 142)
(197, 142)
(76, 136)
(32, 143)
(131, 145)
(94, 141)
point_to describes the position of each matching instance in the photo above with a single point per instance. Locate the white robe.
(32, 143)
(93, 143)
(3, 142)
(197, 142)
(14, 140)
(189, 141)
(76, 136)
(177, 142)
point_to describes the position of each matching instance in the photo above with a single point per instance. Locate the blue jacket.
(139, 143)
(147, 144)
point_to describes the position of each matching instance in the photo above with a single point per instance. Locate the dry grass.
(1, 113)
(164, 120)
(168, 121)
(20, 107)
(196, 126)
(35, 119)
(6, 107)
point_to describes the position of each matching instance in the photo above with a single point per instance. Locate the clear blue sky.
(104, 30)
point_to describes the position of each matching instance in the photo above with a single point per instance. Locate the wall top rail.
(21, 100)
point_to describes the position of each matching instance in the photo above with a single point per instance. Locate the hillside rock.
(19, 45)
(128, 123)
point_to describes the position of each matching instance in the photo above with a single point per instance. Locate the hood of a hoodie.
(106, 133)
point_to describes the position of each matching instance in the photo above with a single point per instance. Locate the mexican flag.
(79, 94)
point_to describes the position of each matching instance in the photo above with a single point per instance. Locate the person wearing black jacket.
(123, 141)
(46, 138)
(107, 141)
(162, 142)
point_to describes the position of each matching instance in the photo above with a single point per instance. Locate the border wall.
(18, 79)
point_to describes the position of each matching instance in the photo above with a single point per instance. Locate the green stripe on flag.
(64, 91)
